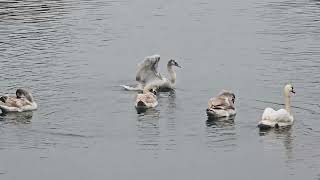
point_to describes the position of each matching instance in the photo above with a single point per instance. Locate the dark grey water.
(75, 54)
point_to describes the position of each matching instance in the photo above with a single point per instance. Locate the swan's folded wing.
(220, 103)
(29, 107)
(268, 113)
(17, 105)
(283, 116)
(147, 70)
(5, 108)
(280, 116)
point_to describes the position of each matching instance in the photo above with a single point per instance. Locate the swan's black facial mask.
(176, 64)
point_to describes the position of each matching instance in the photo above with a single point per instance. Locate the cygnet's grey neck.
(172, 74)
(29, 97)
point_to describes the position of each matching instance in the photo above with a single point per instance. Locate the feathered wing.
(220, 102)
(268, 114)
(5, 108)
(147, 70)
(271, 117)
(283, 116)
(17, 105)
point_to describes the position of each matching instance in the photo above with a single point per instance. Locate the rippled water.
(73, 55)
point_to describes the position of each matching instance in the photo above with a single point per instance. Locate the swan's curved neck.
(287, 102)
(29, 97)
(172, 74)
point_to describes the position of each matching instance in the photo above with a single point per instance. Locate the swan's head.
(21, 93)
(3, 99)
(288, 89)
(229, 95)
(173, 63)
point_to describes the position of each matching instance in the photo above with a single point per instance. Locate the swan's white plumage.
(271, 117)
(280, 118)
(130, 88)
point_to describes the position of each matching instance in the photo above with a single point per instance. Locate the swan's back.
(225, 100)
(222, 105)
(146, 99)
(281, 117)
(14, 104)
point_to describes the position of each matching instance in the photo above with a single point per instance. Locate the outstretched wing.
(147, 70)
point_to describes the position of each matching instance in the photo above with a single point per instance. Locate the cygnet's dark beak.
(176, 64)
(293, 91)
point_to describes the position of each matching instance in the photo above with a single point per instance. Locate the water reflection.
(220, 122)
(171, 112)
(284, 135)
(16, 118)
(148, 132)
(152, 137)
(221, 134)
(32, 11)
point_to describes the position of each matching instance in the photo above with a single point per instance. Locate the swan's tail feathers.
(266, 118)
(130, 88)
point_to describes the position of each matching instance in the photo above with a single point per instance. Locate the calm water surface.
(75, 54)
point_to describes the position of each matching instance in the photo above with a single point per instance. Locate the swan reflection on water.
(221, 134)
(220, 122)
(282, 134)
(150, 137)
(280, 131)
(148, 131)
(22, 117)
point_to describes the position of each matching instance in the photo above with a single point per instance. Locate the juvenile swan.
(23, 101)
(148, 75)
(147, 99)
(280, 118)
(221, 105)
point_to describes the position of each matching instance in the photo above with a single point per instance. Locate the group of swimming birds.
(150, 82)
(222, 106)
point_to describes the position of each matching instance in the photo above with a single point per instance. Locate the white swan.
(147, 99)
(148, 74)
(222, 105)
(280, 118)
(23, 101)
